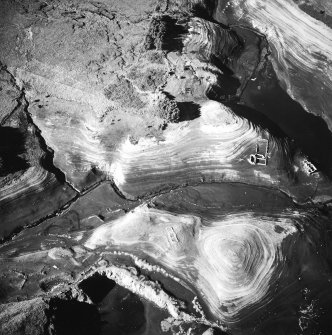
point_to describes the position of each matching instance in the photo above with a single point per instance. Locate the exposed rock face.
(161, 167)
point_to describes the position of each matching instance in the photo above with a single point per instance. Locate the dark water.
(71, 317)
(122, 313)
(97, 287)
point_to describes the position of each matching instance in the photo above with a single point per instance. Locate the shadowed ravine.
(165, 167)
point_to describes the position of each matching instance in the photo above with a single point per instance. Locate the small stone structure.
(260, 157)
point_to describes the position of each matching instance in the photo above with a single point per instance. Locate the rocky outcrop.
(25, 317)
